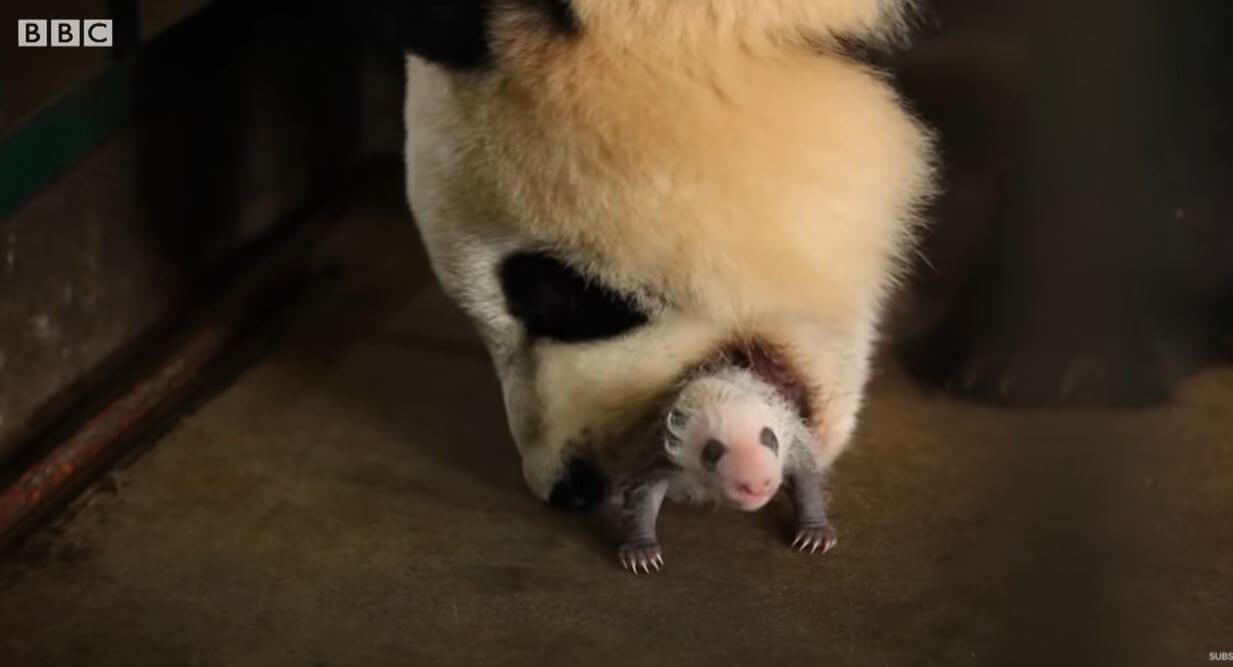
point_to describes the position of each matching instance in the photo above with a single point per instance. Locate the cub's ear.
(677, 420)
(450, 33)
(675, 423)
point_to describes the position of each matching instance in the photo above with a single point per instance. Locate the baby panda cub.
(728, 437)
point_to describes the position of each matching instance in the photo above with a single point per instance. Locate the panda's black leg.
(1078, 310)
(1115, 362)
(1106, 239)
(1069, 308)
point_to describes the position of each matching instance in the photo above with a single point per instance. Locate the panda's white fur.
(676, 27)
(710, 157)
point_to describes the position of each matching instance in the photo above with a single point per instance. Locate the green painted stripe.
(164, 70)
(47, 144)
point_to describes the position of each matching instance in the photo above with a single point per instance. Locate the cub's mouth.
(750, 500)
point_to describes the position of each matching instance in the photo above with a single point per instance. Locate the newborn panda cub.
(730, 438)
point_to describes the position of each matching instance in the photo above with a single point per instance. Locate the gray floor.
(355, 500)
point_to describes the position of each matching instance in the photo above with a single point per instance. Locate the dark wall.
(31, 78)
(1083, 247)
(242, 116)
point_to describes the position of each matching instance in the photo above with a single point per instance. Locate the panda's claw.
(643, 555)
(815, 539)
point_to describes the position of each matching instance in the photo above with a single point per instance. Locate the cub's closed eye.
(677, 419)
(768, 439)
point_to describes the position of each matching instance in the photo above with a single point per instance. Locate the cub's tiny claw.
(641, 556)
(812, 539)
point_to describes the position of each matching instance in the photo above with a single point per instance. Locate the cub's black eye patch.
(767, 438)
(712, 452)
(554, 301)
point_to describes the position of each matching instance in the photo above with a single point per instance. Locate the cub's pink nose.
(755, 489)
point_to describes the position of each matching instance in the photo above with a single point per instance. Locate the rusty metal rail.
(51, 478)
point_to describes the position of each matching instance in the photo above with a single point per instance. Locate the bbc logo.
(67, 32)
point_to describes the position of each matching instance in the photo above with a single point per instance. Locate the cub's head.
(730, 435)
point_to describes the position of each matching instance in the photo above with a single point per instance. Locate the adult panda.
(621, 193)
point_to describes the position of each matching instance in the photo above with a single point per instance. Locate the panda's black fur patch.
(554, 301)
(582, 487)
(562, 15)
(454, 33)
(450, 33)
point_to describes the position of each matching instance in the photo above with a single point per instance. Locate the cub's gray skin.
(729, 438)
(640, 544)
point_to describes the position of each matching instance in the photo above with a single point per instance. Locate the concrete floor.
(355, 500)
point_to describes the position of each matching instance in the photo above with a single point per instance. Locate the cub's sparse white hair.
(704, 408)
(726, 386)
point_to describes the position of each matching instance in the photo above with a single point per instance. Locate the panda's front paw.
(815, 538)
(1134, 367)
(645, 555)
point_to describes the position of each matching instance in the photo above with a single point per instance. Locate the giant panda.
(616, 191)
